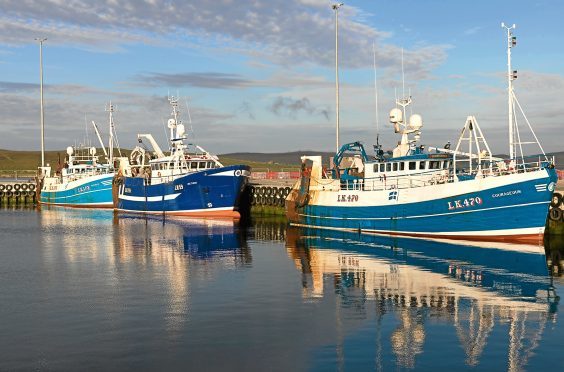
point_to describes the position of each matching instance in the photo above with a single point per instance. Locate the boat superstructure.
(189, 181)
(460, 193)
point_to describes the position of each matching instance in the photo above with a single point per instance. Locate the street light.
(336, 7)
(41, 40)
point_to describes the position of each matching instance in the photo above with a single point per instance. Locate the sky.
(259, 76)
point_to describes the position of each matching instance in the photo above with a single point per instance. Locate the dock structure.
(271, 195)
(18, 192)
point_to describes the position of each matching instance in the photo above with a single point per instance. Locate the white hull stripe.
(529, 248)
(422, 216)
(149, 198)
(110, 204)
(226, 173)
(180, 211)
(45, 193)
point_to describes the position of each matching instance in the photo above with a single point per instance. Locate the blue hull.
(214, 192)
(511, 212)
(92, 192)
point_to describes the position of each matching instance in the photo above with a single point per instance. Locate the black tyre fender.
(555, 214)
(556, 200)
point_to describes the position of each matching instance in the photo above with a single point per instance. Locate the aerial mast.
(336, 9)
(511, 75)
(110, 109)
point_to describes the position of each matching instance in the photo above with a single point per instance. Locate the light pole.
(336, 9)
(41, 40)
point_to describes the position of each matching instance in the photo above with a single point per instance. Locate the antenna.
(87, 140)
(375, 92)
(110, 109)
(188, 111)
(402, 75)
(511, 75)
(336, 7)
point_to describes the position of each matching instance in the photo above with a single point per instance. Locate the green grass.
(25, 163)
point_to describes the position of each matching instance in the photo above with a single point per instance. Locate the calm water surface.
(85, 290)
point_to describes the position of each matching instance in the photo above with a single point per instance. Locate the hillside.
(29, 160)
(288, 158)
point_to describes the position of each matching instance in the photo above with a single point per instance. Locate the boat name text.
(507, 193)
(464, 203)
(83, 189)
(347, 198)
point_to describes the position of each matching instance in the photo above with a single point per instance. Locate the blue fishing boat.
(460, 193)
(83, 180)
(189, 181)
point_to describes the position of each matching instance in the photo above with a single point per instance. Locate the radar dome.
(171, 122)
(180, 130)
(396, 116)
(415, 121)
(69, 150)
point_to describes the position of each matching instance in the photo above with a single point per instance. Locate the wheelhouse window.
(395, 167)
(376, 168)
(202, 165)
(388, 167)
(382, 167)
(193, 165)
(422, 165)
(434, 165)
(412, 165)
(402, 165)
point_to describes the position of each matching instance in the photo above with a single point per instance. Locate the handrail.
(433, 177)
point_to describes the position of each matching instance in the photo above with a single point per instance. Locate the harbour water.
(85, 290)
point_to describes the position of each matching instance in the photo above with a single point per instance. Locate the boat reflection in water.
(196, 239)
(417, 284)
(154, 237)
(166, 258)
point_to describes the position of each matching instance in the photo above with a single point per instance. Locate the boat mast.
(41, 40)
(336, 9)
(110, 109)
(511, 75)
(376, 95)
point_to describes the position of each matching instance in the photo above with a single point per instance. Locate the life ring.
(555, 214)
(556, 199)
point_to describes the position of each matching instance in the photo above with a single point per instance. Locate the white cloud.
(284, 32)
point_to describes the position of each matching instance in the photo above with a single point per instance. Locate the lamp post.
(336, 9)
(41, 40)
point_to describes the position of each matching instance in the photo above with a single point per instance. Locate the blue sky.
(259, 75)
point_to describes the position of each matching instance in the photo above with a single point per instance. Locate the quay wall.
(15, 192)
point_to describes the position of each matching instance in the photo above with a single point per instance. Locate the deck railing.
(440, 176)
